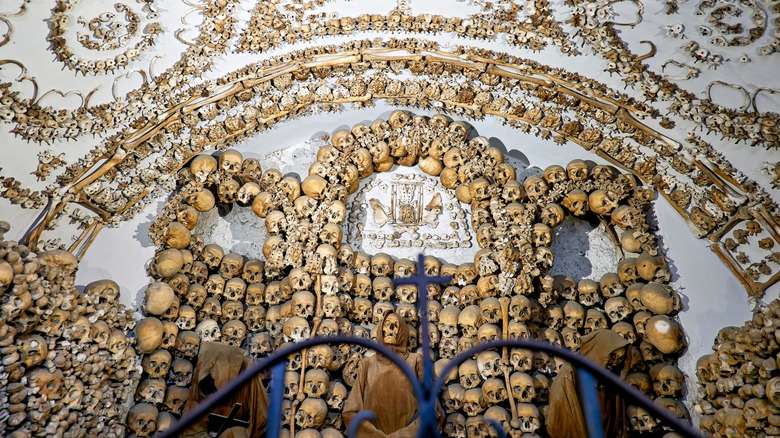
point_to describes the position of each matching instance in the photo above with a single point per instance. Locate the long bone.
(504, 301)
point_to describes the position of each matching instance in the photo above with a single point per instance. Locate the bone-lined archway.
(313, 283)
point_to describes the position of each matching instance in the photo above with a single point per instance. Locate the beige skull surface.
(142, 419)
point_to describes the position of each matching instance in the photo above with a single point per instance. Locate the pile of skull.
(313, 284)
(739, 382)
(68, 367)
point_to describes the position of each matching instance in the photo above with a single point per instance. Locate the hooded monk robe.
(564, 416)
(382, 388)
(218, 364)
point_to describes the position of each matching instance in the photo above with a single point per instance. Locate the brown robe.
(222, 363)
(564, 416)
(382, 388)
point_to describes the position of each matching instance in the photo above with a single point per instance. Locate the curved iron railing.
(426, 389)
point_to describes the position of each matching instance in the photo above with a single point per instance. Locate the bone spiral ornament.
(311, 283)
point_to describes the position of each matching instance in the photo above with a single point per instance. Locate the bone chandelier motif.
(312, 283)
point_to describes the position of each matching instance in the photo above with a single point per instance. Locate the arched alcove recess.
(311, 282)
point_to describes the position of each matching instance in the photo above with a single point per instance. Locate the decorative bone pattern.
(64, 352)
(308, 287)
(739, 382)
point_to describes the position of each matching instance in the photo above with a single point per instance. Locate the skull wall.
(311, 283)
(739, 382)
(68, 366)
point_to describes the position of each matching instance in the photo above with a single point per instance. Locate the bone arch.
(603, 108)
(305, 284)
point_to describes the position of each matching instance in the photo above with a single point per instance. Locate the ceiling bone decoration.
(107, 108)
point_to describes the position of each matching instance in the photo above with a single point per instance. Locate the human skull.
(455, 425)
(522, 387)
(232, 310)
(303, 304)
(625, 330)
(142, 419)
(610, 286)
(667, 380)
(594, 321)
(469, 374)
(452, 397)
(255, 294)
(571, 339)
(383, 288)
(574, 315)
(202, 166)
(234, 333)
(212, 309)
(181, 372)
(208, 331)
(215, 286)
(651, 268)
(641, 421)
(588, 292)
(231, 265)
(657, 298)
(246, 194)
(535, 187)
(148, 334)
(235, 288)
(260, 345)
(618, 309)
(473, 403)
(32, 349)
(316, 383)
(576, 201)
(381, 265)
(521, 359)
(552, 215)
(331, 306)
(528, 415)
(151, 391)
(158, 298)
(665, 334)
(554, 317)
(520, 308)
(187, 318)
(626, 271)
(230, 162)
(311, 413)
(490, 310)
(469, 320)
(602, 202)
(336, 396)
(228, 190)
(212, 255)
(296, 329)
(175, 397)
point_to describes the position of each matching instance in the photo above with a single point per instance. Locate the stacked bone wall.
(69, 366)
(309, 282)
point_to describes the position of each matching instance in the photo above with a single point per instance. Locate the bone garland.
(64, 351)
(697, 216)
(104, 30)
(269, 27)
(740, 378)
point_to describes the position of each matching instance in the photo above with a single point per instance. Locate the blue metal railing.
(427, 390)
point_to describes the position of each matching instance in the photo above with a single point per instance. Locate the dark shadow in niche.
(514, 153)
(142, 230)
(570, 247)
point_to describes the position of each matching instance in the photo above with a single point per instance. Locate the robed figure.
(383, 388)
(564, 416)
(218, 364)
